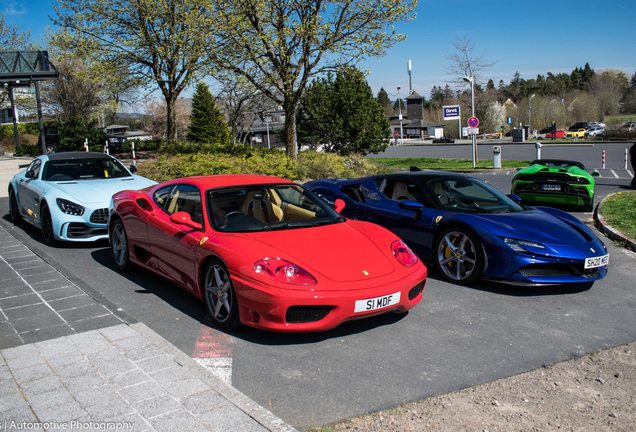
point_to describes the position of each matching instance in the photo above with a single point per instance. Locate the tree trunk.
(171, 120)
(290, 130)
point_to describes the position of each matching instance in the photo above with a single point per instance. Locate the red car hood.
(326, 250)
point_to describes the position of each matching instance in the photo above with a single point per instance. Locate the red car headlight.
(283, 271)
(403, 253)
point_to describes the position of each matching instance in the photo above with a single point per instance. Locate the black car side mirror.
(133, 168)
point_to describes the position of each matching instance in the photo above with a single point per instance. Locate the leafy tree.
(339, 112)
(11, 38)
(76, 129)
(279, 46)
(160, 41)
(206, 121)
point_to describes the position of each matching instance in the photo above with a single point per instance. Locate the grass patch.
(619, 119)
(446, 164)
(619, 212)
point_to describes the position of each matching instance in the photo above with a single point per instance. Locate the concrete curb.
(611, 233)
(248, 406)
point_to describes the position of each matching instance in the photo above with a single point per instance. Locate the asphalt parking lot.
(455, 338)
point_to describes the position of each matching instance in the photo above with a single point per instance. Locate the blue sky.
(532, 37)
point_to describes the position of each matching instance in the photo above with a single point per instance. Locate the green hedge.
(141, 145)
(23, 129)
(170, 167)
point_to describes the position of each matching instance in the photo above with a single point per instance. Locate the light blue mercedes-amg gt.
(66, 195)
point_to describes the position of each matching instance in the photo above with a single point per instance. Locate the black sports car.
(444, 140)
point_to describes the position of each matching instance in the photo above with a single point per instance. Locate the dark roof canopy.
(20, 68)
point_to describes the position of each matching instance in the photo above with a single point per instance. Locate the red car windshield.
(267, 208)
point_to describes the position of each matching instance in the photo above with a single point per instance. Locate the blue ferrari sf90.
(472, 231)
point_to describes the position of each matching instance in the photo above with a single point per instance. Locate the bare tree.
(155, 121)
(72, 95)
(464, 62)
(241, 102)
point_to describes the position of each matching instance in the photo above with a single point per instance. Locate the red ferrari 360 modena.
(265, 252)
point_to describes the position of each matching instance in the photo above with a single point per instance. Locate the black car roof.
(423, 175)
(557, 162)
(78, 155)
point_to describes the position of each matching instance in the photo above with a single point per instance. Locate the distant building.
(413, 123)
(122, 130)
(269, 120)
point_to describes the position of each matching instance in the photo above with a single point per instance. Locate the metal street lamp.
(400, 117)
(471, 80)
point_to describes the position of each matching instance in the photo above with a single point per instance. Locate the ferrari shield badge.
(203, 240)
(438, 218)
(366, 273)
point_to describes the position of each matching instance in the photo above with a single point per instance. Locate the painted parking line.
(614, 172)
(213, 349)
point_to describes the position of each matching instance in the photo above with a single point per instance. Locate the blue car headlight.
(521, 245)
(69, 207)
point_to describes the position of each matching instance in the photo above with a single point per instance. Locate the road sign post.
(473, 122)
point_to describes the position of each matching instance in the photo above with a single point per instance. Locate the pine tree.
(207, 123)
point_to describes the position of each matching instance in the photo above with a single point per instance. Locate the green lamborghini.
(557, 183)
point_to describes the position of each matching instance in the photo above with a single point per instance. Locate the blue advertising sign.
(451, 112)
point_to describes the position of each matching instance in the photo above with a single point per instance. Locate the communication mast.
(409, 70)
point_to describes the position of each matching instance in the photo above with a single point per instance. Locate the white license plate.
(377, 303)
(596, 261)
(551, 187)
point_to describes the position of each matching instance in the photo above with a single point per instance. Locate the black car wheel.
(220, 297)
(47, 226)
(458, 256)
(14, 211)
(119, 245)
(51, 148)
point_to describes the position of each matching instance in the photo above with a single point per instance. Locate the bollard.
(86, 144)
(496, 154)
(106, 148)
(538, 146)
(603, 159)
(133, 152)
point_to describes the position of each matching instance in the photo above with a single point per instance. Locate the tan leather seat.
(400, 192)
(257, 204)
(440, 192)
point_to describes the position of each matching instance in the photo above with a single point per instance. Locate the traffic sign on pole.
(473, 122)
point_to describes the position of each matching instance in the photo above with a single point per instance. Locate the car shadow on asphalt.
(517, 290)
(151, 284)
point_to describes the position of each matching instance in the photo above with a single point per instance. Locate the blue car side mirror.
(415, 206)
(516, 198)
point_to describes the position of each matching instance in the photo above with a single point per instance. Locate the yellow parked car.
(577, 133)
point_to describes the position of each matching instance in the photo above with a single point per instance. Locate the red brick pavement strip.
(611, 233)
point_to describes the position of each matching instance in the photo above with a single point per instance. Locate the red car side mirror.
(184, 218)
(339, 205)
